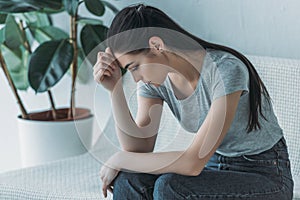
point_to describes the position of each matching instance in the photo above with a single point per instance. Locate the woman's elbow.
(195, 172)
(196, 167)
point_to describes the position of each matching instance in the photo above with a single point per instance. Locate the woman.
(238, 151)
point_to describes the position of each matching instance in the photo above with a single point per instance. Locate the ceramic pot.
(44, 141)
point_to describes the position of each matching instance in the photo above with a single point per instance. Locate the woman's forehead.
(125, 59)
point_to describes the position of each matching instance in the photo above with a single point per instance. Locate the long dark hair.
(141, 16)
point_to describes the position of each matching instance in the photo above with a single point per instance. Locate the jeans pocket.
(257, 160)
(268, 157)
(262, 165)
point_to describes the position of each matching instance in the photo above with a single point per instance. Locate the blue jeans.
(265, 176)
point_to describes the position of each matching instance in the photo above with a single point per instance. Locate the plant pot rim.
(46, 115)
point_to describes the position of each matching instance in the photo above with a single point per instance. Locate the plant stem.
(27, 46)
(12, 86)
(26, 43)
(74, 64)
(52, 105)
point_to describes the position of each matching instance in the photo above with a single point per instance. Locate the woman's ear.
(156, 44)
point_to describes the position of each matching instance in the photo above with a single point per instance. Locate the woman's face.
(150, 68)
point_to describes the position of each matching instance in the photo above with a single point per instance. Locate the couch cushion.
(296, 187)
(71, 178)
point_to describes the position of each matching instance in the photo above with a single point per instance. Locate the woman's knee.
(126, 179)
(167, 187)
(133, 185)
(121, 179)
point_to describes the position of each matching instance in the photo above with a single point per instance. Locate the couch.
(78, 177)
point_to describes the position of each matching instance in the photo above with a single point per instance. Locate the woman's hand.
(107, 175)
(106, 70)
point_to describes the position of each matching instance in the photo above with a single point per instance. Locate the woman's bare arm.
(136, 135)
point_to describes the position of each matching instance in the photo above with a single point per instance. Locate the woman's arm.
(134, 136)
(137, 135)
(192, 161)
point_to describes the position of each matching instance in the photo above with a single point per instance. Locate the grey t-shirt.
(221, 74)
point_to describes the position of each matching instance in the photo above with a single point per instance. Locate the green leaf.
(3, 18)
(91, 36)
(52, 11)
(36, 19)
(43, 34)
(17, 66)
(71, 6)
(2, 35)
(84, 20)
(13, 35)
(17, 6)
(95, 6)
(13, 61)
(111, 6)
(48, 64)
(25, 58)
(20, 79)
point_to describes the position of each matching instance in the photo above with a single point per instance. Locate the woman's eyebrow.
(128, 65)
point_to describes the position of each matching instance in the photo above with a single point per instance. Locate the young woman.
(238, 151)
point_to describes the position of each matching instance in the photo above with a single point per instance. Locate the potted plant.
(36, 54)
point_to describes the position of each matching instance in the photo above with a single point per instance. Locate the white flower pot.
(44, 141)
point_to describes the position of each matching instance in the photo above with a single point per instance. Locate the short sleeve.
(231, 75)
(145, 90)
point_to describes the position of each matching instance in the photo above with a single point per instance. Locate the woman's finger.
(99, 73)
(101, 175)
(104, 191)
(103, 68)
(110, 54)
(106, 53)
(106, 59)
(106, 73)
(108, 50)
(100, 65)
(115, 60)
(99, 77)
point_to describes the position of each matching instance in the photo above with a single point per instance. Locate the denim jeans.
(264, 176)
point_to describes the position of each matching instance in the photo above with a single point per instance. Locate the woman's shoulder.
(227, 65)
(219, 55)
(223, 59)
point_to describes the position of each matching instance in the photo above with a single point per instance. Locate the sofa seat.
(296, 187)
(72, 178)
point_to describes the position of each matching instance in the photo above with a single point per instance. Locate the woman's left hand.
(107, 175)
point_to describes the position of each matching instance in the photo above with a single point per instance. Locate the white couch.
(78, 177)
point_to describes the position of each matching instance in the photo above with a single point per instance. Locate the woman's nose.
(137, 77)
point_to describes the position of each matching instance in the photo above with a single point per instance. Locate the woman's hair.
(141, 16)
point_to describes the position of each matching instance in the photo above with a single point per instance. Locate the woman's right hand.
(106, 70)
